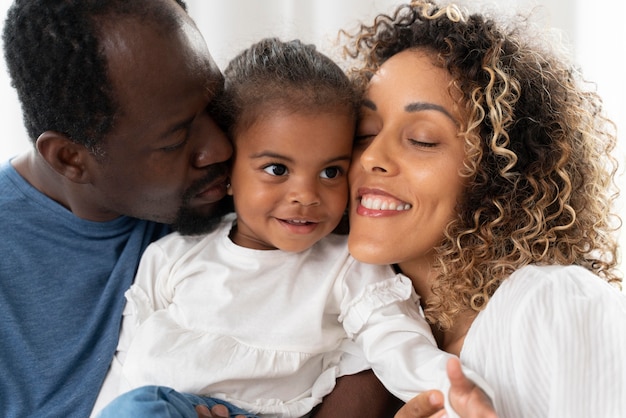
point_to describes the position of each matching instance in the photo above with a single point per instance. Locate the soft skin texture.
(291, 188)
(412, 117)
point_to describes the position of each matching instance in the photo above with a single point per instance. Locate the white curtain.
(595, 31)
(230, 26)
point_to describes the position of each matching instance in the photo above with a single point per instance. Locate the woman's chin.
(367, 250)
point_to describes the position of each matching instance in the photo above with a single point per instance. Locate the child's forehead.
(325, 135)
(303, 103)
(284, 117)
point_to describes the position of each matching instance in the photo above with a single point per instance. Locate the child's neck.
(246, 241)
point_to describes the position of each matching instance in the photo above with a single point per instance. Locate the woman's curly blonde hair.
(539, 169)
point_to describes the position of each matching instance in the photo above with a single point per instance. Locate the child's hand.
(218, 411)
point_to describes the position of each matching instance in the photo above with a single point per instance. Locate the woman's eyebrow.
(415, 107)
(419, 106)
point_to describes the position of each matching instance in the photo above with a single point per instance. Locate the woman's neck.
(422, 276)
(420, 273)
(452, 340)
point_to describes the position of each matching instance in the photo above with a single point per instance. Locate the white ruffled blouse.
(270, 331)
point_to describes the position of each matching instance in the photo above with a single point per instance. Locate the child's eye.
(275, 169)
(331, 172)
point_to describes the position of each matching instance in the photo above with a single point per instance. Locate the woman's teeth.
(377, 203)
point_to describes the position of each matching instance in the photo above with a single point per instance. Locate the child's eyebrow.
(277, 156)
(340, 158)
(270, 154)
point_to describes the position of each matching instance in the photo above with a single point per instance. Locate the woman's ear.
(64, 156)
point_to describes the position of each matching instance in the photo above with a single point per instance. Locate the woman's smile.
(379, 203)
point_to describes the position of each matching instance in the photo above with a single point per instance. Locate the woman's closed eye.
(422, 143)
(363, 137)
(363, 140)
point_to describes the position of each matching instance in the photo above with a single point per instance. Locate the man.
(118, 100)
(115, 97)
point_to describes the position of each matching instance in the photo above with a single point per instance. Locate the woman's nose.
(375, 157)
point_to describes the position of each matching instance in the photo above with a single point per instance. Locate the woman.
(483, 172)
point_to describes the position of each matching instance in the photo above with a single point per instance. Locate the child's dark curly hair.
(276, 75)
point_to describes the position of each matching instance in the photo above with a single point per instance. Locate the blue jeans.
(161, 401)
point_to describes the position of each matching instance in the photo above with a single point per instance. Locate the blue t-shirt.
(62, 284)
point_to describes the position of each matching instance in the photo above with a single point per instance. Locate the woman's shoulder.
(541, 295)
(552, 294)
(555, 280)
(543, 324)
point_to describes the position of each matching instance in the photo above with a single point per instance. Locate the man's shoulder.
(8, 179)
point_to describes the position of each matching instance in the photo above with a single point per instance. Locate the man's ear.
(64, 156)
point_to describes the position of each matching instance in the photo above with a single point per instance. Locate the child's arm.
(397, 342)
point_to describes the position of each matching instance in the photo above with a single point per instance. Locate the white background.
(595, 32)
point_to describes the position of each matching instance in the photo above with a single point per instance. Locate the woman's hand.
(467, 399)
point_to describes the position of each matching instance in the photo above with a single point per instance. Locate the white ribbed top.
(552, 343)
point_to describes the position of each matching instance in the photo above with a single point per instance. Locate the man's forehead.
(142, 48)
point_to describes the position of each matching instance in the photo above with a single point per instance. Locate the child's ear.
(64, 156)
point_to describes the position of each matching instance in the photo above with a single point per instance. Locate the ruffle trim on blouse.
(138, 304)
(375, 296)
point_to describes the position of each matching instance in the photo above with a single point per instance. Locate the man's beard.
(189, 221)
